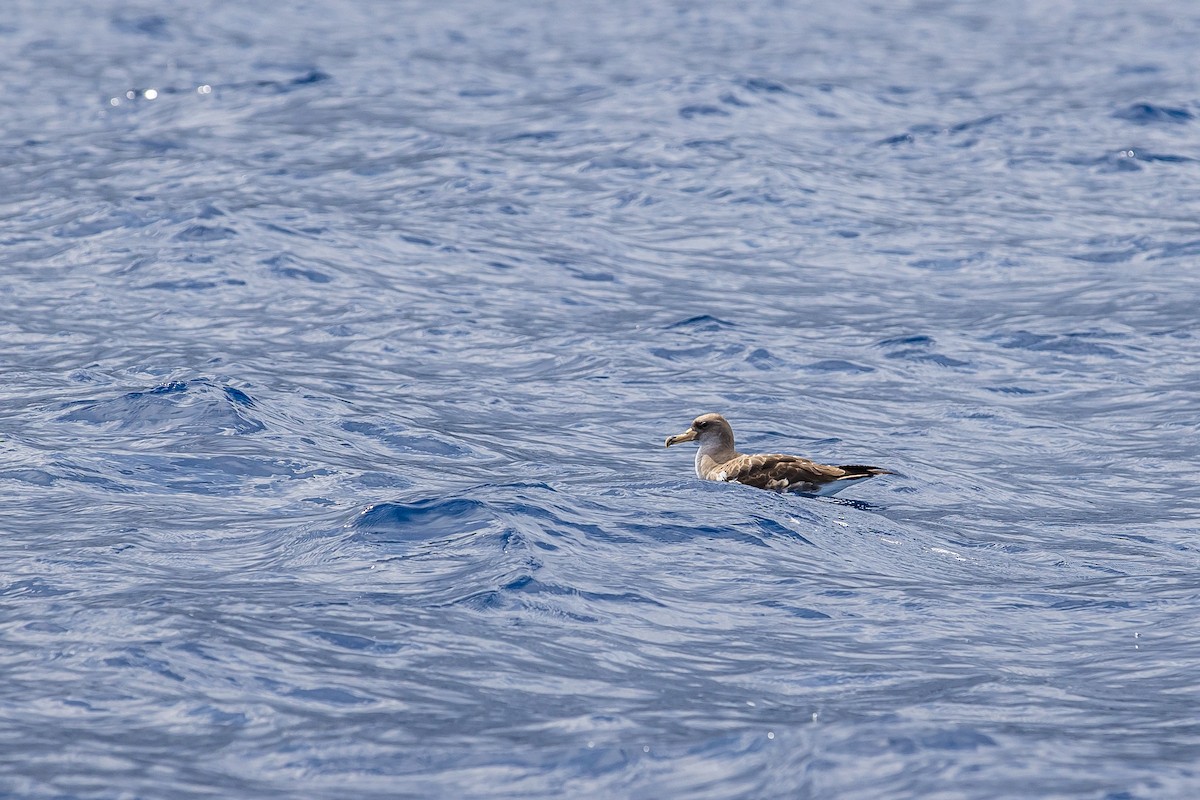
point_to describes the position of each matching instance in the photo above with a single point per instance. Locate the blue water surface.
(339, 343)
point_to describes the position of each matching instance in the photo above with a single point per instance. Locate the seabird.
(717, 460)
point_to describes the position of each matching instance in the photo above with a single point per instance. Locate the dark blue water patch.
(932, 358)
(64, 470)
(592, 276)
(154, 26)
(1137, 69)
(310, 77)
(718, 149)
(1134, 538)
(1160, 158)
(1130, 160)
(769, 528)
(205, 233)
(702, 110)
(761, 198)
(295, 273)
(85, 227)
(193, 406)
(703, 323)
(1075, 344)
(953, 132)
(917, 349)
(1123, 161)
(1115, 249)
(529, 585)
(697, 353)
(303, 80)
(946, 264)
(192, 285)
(639, 166)
(1173, 250)
(536, 137)
(695, 530)
(918, 340)
(861, 505)
(956, 739)
(238, 396)
(1153, 114)
(305, 231)
(421, 240)
(480, 92)
(330, 695)
(396, 437)
(485, 601)
(156, 94)
(32, 587)
(973, 124)
(214, 468)
(835, 365)
(227, 720)
(31, 476)
(1075, 603)
(138, 658)
(202, 476)
(355, 643)
(765, 86)
(172, 388)
(206, 211)
(795, 611)
(764, 359)
(426, 520)
(1015, 390)
(526, 593)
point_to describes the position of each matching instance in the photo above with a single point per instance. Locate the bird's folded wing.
(779, 472)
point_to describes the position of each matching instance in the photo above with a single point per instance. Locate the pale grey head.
(712, 432)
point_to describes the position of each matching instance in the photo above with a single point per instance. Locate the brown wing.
(782, 473)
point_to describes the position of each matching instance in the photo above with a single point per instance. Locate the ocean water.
(339, 343)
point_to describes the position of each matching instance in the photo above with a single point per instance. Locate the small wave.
(198, 406)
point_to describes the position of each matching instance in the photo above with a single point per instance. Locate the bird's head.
(708, 430)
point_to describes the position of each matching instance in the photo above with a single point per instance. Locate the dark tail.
(856, 471)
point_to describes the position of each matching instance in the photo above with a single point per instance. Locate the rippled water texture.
(340, 341)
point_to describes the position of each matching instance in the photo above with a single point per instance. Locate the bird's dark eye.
(701, 426)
